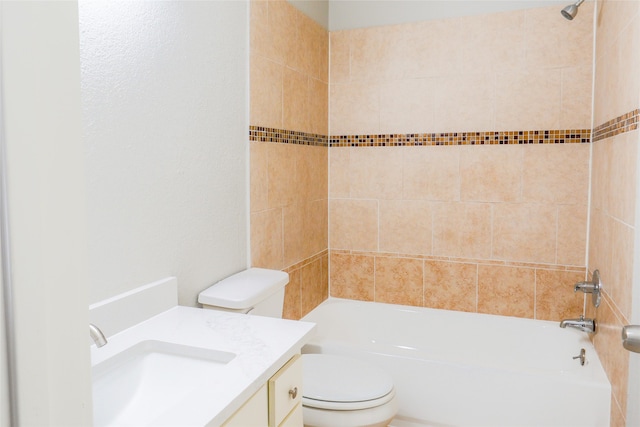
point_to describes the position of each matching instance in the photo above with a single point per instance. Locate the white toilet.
(337, 391)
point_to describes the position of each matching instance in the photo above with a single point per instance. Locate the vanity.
(193, 367)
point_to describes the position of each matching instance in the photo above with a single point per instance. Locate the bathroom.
(129, 219)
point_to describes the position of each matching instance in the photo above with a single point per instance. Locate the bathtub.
(468, 369)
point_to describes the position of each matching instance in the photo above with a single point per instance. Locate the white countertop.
(261, 344)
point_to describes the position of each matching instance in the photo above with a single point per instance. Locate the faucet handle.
(594, 287)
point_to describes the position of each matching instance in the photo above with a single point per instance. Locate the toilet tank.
(258, 291)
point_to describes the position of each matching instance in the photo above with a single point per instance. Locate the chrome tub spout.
(585, 325)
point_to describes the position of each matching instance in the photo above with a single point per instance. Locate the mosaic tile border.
(572, 136)
(621, 124)
(265, 134)
(569, 136)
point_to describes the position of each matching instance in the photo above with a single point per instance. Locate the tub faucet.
(585, 325)
(96, 335)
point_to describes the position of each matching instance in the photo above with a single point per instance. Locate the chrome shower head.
(571, 11)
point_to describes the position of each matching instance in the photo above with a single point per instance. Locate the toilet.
(337, 391)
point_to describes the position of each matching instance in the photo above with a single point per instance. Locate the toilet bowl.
(337, 391)
(343, 392)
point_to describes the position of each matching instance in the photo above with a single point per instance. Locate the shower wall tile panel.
(288, 150)
(613, 189)
(462, 284)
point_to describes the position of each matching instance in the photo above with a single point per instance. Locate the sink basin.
(133, 386)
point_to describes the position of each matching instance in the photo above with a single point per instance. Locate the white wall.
(4, 379)
(164, 98)
(349, 14)
(41, 117)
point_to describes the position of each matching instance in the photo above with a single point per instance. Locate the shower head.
(571, 11)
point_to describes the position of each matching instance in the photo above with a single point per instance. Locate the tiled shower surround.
(454, 145)
(613, 186)
(459, 162)
(446, 163)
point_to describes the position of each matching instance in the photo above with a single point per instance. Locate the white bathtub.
(468, 369)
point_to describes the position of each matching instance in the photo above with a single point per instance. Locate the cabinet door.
(294, 419)
(285, 391)
(254, 413)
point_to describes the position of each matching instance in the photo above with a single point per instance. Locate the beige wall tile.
(575, 110)
(311, 172)
(600, 243)
(617, 84)
(433, 48)
(620, 183)
(281, 167)
(525, 232)
(266, 92)
(339, 181)
(352, 276)
(556, 173)
(464, 103)
(293, 233)
(292, 297)
(612, 17)
(450, 285)
(553, 42)
(613, 356)
(376, 172)
(491, 173)
(296, 112)
(376, 53)
(316, 227)
(507, 291)
(555, 298)
(600, 172)
(353, 225)
(398, 281)
(619, 281)
(261, 42)
(340, 53)
(528, 99)
(318, 107)
(407, 106)
(405, 226)
(306, 47)
(493, 42)
(266, 239)
(312, 286)
(572, 235)
(281, 42)
(354, 109)
(325, 276)
(258, 169)
(462, 230)
(431, 173)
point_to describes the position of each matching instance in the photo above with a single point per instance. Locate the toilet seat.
(341, 384)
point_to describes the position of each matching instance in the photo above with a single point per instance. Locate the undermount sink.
(135, 385)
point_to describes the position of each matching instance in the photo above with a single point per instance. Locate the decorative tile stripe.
(264, 134)
(624, 123)
(572, 136)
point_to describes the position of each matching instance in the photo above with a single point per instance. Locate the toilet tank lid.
(244, 289)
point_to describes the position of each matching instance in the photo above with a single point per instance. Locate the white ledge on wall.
(122, 311)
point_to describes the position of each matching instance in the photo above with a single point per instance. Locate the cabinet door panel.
(285, 390)
(254, 413)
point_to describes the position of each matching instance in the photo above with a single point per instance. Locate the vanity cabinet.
(277, 404)
(253, 413)
(285, 394)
